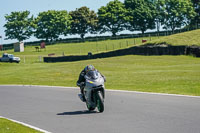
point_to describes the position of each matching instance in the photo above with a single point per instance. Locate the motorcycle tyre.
(89, 107)
(100, 102)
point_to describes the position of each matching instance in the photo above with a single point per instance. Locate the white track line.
(126, 91)
(151, 93)
(27, 125)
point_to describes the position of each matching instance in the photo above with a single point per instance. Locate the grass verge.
(7, 126)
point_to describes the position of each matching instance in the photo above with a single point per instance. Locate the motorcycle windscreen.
(92, 74)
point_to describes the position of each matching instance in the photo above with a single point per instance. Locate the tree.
(83, 21)
(141, 14)
(196, 19)
(112, 17)
(49, 25)
(18, 25)
(159, 5)
(178, 13)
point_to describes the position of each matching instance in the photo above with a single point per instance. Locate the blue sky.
(36, 6)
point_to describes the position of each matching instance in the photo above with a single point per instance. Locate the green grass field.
(163, 74)
(7, 126)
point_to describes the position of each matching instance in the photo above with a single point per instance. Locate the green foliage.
(196, 19)
(83, 21)
(160, 15)
(141, 14)
(51, 24)
(19, 25)
(112, 17)
(178, 13)
(132, 15)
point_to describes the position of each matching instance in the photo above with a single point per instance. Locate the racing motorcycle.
(94, 91)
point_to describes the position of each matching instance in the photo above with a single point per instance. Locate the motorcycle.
(94, 91)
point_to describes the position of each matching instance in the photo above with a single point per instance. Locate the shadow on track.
(78, 112)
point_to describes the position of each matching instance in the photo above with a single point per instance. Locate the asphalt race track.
(59, 110)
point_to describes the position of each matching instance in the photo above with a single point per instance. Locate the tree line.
(116, 16)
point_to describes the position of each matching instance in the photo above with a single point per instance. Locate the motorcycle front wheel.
(100, 101)
(90, 108)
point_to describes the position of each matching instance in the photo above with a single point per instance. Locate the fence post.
(40, 58)
(24, 59)
(150, 37)
(134, 41)
(97, 47)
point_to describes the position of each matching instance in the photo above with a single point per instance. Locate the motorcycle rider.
(81, 80)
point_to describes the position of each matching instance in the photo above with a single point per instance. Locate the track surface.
(59, 110)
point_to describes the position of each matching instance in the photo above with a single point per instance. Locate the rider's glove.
(82, 84)
(78, 84)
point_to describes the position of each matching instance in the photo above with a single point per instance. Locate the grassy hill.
(185, 38)
(31, 55)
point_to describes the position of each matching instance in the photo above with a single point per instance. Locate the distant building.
(19, 47)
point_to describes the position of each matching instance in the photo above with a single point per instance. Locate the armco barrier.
(137, 50)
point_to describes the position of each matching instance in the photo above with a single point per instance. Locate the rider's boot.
(81, 96)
